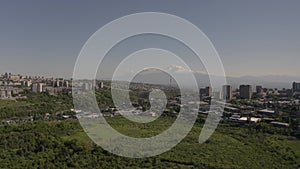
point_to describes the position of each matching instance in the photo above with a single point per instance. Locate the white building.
(37, 87)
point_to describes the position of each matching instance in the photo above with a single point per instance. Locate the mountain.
(155, 76)
(268, 81)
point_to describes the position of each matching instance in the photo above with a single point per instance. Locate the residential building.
(259, 90)
(206, 92)
(245, 91)
(227, 92)
(296, 87)
(37, 87)
(101, 85)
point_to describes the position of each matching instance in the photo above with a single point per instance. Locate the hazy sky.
(252, 37)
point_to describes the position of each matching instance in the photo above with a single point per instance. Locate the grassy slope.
(227, 148)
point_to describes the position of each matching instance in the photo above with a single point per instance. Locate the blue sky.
(252, 37)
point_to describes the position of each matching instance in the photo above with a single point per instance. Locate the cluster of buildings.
(51, 86)
(8, 92)
(86, 86)
(242, 114)
(247, 92)
(260, 104)
(226, 93)
(12, 85)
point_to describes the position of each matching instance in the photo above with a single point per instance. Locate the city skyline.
(17, 79)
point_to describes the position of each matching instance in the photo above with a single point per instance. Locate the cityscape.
(149, 84)
(279, 107)
(259, 113)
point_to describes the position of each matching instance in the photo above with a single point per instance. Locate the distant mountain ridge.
(267, 81)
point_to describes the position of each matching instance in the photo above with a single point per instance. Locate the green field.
(64, 144)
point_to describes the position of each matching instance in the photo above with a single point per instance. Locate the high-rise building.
(227, 92)
(87, 86)
(2, 93)
(296, 87)
(245, 91)
(57, 84)
(34, 87)
(259, 89)
(101, 85)
(66, 84)
(206, 92)
(37, 87)
(40, 87)
(28, 83)
(8, 94)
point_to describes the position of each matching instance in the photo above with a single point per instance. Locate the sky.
(253, 38)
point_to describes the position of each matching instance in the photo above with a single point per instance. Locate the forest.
(54, 142)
